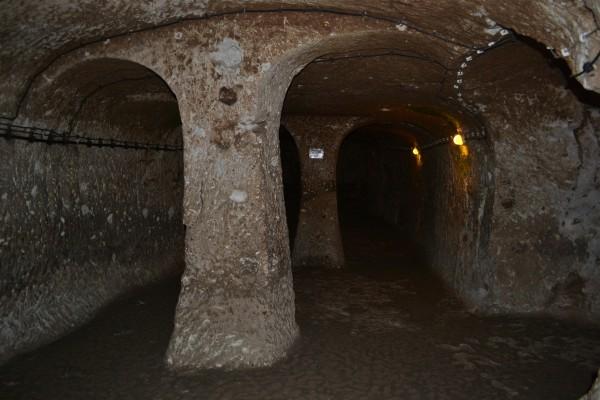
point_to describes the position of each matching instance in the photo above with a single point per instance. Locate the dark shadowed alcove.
(292, 186)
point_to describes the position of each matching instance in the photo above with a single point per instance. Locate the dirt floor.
(384, 328)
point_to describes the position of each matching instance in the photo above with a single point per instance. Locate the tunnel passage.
(524, 245)
(379, 176)
(401, 176)
(492, 207)
(97, 191)
(398, 180)
(368, 167)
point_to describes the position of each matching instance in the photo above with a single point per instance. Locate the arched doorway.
(102, 194)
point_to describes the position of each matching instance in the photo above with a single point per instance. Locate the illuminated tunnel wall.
(435, 198)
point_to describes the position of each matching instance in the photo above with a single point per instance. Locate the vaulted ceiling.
(34, 33)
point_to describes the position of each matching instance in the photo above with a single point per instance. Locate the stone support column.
(236, 307)
(318, 239)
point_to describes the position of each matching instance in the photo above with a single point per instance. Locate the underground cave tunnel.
(189, 211)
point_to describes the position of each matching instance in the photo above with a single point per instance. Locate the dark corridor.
(378, 178)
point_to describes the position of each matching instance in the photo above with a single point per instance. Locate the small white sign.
(316, 154)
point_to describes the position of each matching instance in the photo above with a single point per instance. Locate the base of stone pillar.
(229, 332)
(318, 239)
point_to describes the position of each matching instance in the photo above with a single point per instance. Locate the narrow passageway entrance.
(380, 197)
(380, 182)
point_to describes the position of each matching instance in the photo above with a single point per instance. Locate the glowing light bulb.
(415, 151)
(458, 139)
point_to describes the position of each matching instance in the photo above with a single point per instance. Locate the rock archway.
(97, 208)
(525, 190)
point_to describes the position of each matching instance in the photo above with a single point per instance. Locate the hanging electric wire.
(10, 131)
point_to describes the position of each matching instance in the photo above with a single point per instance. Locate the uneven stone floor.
(384, 328)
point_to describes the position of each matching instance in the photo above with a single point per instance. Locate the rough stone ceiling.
(121, 88)
(390, 86)
(33, 33)
(365, 85)
(393, 91)
(401, 136)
